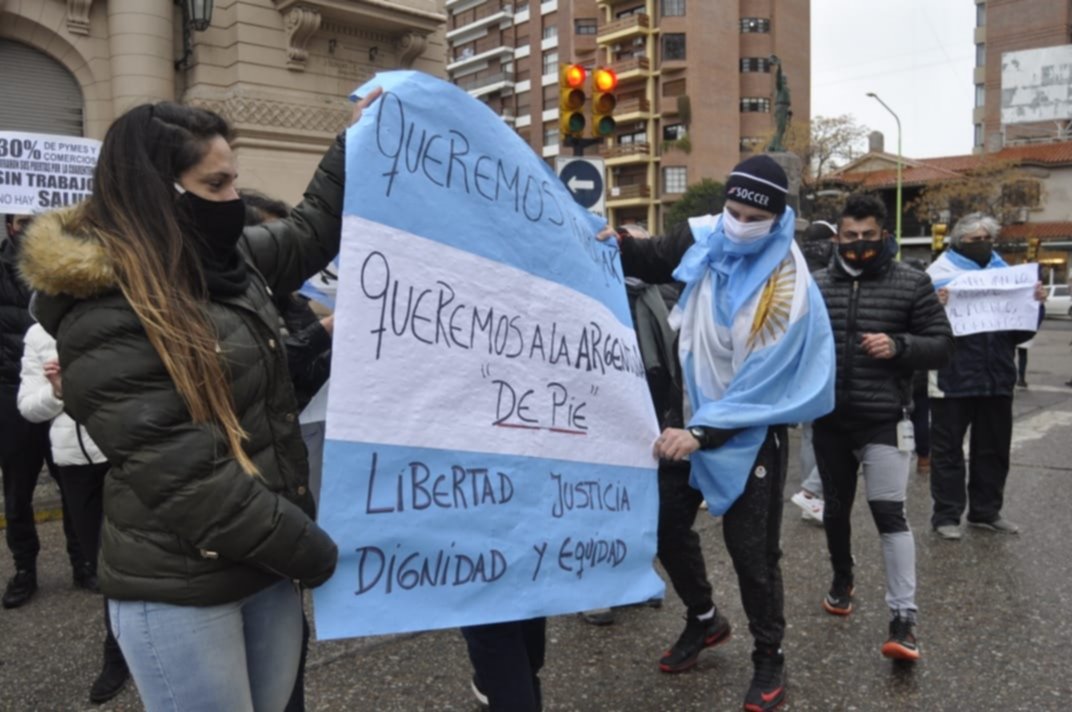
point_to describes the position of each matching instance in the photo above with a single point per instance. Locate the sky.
(917, 55)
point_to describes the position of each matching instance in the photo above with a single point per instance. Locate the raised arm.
(655, 259)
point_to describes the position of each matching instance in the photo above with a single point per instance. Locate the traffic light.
(571, 100)
(938, 232)
(604, 82)
(1033, 248)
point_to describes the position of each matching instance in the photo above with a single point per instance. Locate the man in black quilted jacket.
(887, 324)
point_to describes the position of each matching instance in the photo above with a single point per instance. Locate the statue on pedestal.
(782, 112)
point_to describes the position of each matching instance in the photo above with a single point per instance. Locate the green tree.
(701, 198)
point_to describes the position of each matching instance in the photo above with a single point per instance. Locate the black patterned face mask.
(860, 253)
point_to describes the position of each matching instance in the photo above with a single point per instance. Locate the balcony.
(628, 195)
(635, 68)
(485, 16)
(469, 58)
(480, 86)
(629, 153)
(623, 29)
(635, 109)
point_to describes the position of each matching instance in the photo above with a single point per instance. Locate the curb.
(48, 511)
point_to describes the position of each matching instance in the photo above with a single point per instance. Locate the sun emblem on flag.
(775, 301)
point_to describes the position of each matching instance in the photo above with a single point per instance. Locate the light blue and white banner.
(489, 429)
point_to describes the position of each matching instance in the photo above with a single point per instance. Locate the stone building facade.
(279, 70)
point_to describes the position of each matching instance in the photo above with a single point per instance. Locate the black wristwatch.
(700, 434)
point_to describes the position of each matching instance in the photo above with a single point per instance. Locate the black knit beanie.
(760, 182)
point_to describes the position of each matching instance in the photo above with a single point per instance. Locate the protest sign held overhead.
(489, 432)
(40, 172)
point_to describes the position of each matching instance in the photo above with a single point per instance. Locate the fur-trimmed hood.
(60, 255)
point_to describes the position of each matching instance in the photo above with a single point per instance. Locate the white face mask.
(745, 232)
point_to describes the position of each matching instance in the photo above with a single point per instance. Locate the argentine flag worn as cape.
(756, 348)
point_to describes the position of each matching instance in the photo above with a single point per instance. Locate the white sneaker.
(948, 531)
(811, 506)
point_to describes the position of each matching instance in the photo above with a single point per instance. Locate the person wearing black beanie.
(736, 257)
(759, 182)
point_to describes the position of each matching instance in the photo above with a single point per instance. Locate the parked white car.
(1059, 303)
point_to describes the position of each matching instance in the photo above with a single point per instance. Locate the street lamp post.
(896, 118)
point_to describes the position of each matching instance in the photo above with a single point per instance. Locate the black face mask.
(862, 253)
(218, 224)
(978, 252)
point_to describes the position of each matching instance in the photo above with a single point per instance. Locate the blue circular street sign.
(584, 182)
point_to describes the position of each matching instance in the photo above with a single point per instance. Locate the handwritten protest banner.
(40, 172)
(1001, 299)
(489, 432)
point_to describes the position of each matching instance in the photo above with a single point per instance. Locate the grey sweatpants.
(885, 474)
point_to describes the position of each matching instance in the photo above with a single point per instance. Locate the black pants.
(25, 450)
(83, 496)
(1021, 363)
(752, 529)
(507, 658)
(83, 487)
(990, 421)
(679, 545)
(921, 423)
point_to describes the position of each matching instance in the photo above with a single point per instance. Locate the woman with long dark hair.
(161, 304)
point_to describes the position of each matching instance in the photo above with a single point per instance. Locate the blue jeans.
(235, 657)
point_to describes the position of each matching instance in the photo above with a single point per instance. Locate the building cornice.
(391, 21)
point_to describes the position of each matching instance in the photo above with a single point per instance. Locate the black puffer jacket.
(183, 523)
(896, 300)
(984, 365)
(14, 321)
(14, 317)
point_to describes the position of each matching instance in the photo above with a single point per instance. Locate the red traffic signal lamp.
(604, 84)
(571, 99)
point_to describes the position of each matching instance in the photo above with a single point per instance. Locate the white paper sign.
(41, 172)
(1000, 299)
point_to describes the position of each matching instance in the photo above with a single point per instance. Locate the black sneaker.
(20, 588)
(84, 577)
(109, 683)
(697, 635)
(901, 644)
(839, 601)
(767, 691)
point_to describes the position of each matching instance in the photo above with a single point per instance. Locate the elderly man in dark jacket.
(974, 390)
(887, 324)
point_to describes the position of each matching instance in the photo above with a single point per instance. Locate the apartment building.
(1007, 26)
(696, 81)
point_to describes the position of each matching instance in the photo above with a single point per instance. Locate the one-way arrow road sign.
(583, 177)
(576, 185)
